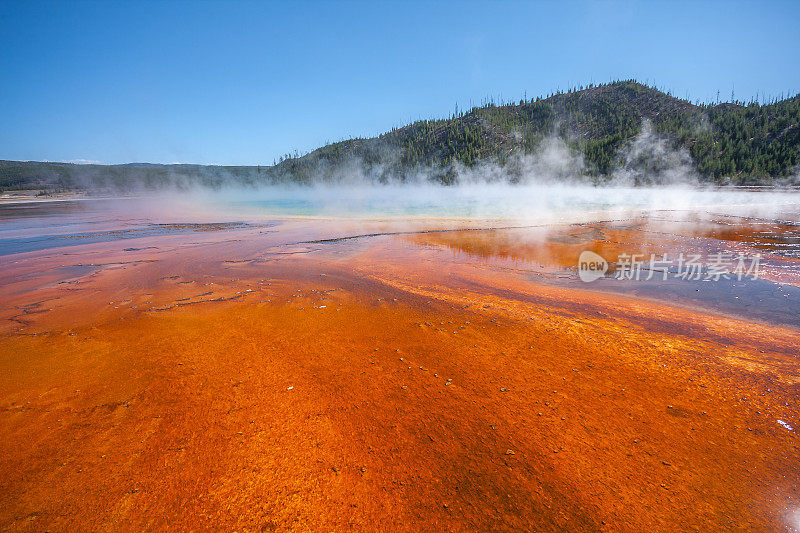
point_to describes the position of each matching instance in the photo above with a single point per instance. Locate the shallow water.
(552, 227)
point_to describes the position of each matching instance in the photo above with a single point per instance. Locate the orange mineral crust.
(271, 377)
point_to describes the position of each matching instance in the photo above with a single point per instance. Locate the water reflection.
(550, 255)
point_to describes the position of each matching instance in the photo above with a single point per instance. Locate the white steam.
(530, 203)
(650, 160)
(553, 163)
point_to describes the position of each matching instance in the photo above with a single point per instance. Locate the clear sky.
(242, 83)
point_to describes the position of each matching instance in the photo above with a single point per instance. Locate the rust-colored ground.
(232, 380)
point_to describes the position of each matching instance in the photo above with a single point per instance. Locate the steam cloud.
(550, 185)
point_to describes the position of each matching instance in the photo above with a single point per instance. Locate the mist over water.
(548, 185)
(493, 201)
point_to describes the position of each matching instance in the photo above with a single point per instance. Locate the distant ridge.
(731, 142)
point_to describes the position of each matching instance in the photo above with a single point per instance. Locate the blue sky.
(242, 83)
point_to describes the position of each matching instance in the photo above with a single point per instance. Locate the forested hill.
(733, 142)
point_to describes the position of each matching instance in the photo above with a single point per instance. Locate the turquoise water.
(490, 201)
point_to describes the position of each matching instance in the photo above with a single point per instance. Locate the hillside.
(733, 142)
